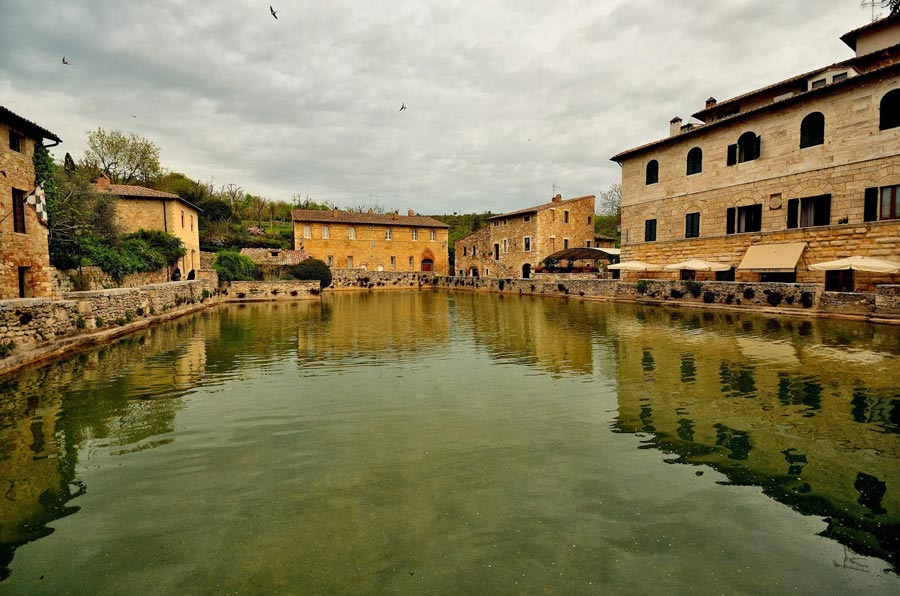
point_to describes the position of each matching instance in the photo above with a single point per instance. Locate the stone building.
(799, 172)
(373, 241)
(514, 244)
(24, 253)
(139, 208)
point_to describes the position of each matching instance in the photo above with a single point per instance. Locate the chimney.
(334, 213)
(557, 199)
(675, 126)
(102, 182)
(711, 102)
(411, 213)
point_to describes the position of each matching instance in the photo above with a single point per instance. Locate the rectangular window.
(650, 230)
(587, 243)
(192, 222)
(526, 242)
(24, 286)
(465, 250)
(732, 154)
(182, 220)
(326, 232)
(352, 233)
(725, 275)
(527, 218)
(743, 219)
(496, 223)
(692, 225)
(565, 243)
(411, 263)
(389, 234)
(565, 217)
(474, 251)
(809, 212)
(841, 76)
(307, 232)
(331, 260)
(393, 263)
(415, 234)
(433, 235)
(505, 245)
(15, 141)
(349, 262)
(818, 84)
(890, 203)
(18, 200)
(839, 281)
(590, 219)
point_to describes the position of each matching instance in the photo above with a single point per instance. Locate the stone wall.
(30, 321)
(94, 278)
(270, 290)
(350, 279)
(887, 302)
(207, 259)
(848, 303)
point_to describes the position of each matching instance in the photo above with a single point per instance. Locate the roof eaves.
(6, 114)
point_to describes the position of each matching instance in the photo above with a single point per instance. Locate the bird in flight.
(402, 106)
(66, 62)
(133, 116)
(274, 12)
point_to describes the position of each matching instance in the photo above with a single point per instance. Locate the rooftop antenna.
(555, 189)
(873, 4)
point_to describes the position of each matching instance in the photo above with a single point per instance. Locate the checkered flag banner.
(39, 202)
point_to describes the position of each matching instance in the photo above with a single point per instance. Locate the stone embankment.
(270, 290)
(356, 279)
(809, 299)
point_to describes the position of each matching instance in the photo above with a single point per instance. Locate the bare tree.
(610, 201)
(257, 207)
(235, 196)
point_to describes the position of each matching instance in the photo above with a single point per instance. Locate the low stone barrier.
(848, 303)
(94, 278)
(354, 279)
(270, 290)
(887, 302)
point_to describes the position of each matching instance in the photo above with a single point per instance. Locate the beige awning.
(698, 265)
(858, 264)
(777, 258)
(635, 266)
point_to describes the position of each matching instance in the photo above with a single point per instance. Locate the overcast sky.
(505, 98)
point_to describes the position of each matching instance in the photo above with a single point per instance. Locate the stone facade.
(24, 253)
(514, 244)
(824, 194)
(373, 241)
(94, 278)
(139, 208)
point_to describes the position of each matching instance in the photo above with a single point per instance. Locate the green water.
(433, 443)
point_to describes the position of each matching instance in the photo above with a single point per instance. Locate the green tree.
(126, 160)
(192, 191)
(214, 210)
(312, 269)
(78, 215)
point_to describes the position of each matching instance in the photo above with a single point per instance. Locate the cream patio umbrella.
(858, 264)
(635, 266)
(697, 265)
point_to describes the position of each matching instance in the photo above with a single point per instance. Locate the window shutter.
(757, 217)
(729, 220)
(732, 155)
(758, 147)
(823, 211)
(793, 209)
(870, 212)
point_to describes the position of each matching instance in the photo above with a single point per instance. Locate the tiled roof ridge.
(12, 115)
(385, 219)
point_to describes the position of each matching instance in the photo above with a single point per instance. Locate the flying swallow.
(65, 61)
(274, 12)
(402, 106)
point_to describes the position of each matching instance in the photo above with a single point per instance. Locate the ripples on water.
(451, 443)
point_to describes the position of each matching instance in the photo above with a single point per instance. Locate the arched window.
(748, 147)
(695, 161)
(653, 172)
(812, 130)
(890, 110)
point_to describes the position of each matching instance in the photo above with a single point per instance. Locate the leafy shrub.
(693, 287)
(806, 299)
(99, 321)
(6, 348)
(774, 298)
(676, 294)
(79, 323)
(642, 286)
(709, 297)
(233, 266)
(312, 269)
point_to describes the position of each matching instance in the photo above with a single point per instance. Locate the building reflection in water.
(51, 414)
(810, 412)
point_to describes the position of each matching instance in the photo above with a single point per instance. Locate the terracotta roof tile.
(377, 219)
(538, 208)
(141, 192)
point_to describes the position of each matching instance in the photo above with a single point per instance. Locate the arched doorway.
(427, 260)
(526, 271)
(473, 272)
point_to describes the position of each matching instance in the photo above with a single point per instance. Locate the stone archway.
(526, 271)
(426, 260)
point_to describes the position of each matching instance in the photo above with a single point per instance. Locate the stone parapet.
(887, 302)
(354, 279)
(270, 290)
